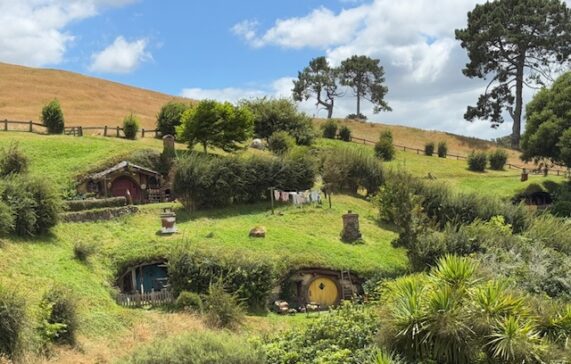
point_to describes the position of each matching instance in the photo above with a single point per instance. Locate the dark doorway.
(122, 184)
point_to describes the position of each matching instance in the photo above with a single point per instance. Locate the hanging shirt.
(276, 195)
(284, 196)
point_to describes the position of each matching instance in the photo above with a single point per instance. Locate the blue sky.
(229, 50)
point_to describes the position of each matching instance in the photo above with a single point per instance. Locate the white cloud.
(120, 56)
(33, 32)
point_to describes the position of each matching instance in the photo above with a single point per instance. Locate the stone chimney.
(351, 232)
(168, 145)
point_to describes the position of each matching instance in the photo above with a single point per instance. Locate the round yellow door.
(323, 291)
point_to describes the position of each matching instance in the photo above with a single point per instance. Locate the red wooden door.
(121, 185)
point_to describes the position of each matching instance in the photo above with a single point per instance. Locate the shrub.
(169, 117)
(82, 205)
(442, 149)
(384, 148)
(498, 159)
(52, 117)
(561, 208)
(13, 161)
(345, 133)
(189, 301)
(6, 217)
(131, 127)
(223, 309)
(477, 161)
(280, 142)
(349, 168)
(82, 251)
(330, 129)
(429, 148)
(13, 321)
(204, 347)
(356, 117)
(61, 322)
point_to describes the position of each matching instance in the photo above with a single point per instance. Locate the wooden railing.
(151, 298)
(556, 171)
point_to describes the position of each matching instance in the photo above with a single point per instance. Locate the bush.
(442, 149)
(345, 133)
(6, 217)
(131, 127)
(52, 117)
(280, 142)
(62, 317)
(330, 129)
(82, 251)
(223, 310)
(204, 347)
(13, 161)
(349, 168)
(356, 117)
(477, 161)
(13, 321)
(169, 117)
(82, 205)
(384, 148)
(429, 148)
(498, 159)
(189, 301)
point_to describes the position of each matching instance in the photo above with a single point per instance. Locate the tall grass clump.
(442, 150)
(13, 321)
(13, 161)
(329, 129)
(498, 159)
(131, 126)
(82, 251)
(60, 321)
(52, 117)
(223, 309)
(384, 148)
(429, 148)
(477, 161)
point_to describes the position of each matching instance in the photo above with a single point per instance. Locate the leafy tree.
(215, 124)
(514, 43)
(169, 117)
(548, 127)
(366, 77)
(52, 117)
(384, 148)
(131, 126)
(319, 80)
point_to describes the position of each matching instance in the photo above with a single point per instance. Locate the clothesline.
(297, 197)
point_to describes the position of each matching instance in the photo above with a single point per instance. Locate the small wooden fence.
(152, 298)
(555, 171)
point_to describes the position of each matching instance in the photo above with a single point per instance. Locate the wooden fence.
(558, 172)
(110, 131)
(152, 298)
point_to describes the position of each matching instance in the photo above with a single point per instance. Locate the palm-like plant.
(492, 302)
(457, 272)
(514, 340)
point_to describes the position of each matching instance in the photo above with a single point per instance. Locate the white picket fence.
(151, 298)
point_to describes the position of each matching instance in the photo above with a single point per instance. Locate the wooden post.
(80, 131)
(143, 133)
(117, 132)
(329, 194)
(6, 125)
(272, 198)
(31, 128)
(105, 131)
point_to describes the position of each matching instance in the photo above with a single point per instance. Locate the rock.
(257, 144)
(258, 232)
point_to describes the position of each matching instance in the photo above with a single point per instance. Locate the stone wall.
(98, 214)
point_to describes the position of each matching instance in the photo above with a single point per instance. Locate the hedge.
(81, 205)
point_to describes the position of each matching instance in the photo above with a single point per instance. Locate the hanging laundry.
(277, 195)
(284, 196)
(315, 196)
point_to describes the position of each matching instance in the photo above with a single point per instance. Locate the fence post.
(80, 131)
(6, 125)
(143, 133)
(31, 128)
(105, 131)
(117, 132)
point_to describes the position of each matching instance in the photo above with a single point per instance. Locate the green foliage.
(81, 205)
(366, 77)
(202, 181)
(442, 149)
(359, 116)
(498, 159)
(429, 149)
(214, 124)
(189, 301)
(131, 126)
(52, 117)
(548, 129)
(204, 347)
(195, 271)
(59, 320)
(527, 44)
(6, 217)
(13, 321)
(477, 161)
(169, 117)
(280, 142)
(345, 133)
(13, 161)
(329, 129)
(318, 80)
(271, 115)
(82, 251)
(384, 148)
(345, 335)
(223, 309)
(348, 169)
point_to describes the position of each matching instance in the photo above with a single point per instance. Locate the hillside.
(86, 101)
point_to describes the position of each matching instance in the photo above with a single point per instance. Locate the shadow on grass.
(46, 238)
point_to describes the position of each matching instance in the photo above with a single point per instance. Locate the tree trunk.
(205, 149)
(330, 110)
(358, 104)
(517, 115)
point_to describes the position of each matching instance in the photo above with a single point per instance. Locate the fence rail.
(558, 172)
(151, 298)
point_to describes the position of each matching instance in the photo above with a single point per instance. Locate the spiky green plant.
(515, 340)
(458, 272)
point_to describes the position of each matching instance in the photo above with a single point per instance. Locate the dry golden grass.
(86, 101)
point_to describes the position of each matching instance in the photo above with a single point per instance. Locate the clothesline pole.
(329, 194)
(272, 198)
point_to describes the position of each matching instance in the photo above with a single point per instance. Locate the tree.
(319, 79)
(169, 117)
(131, 126)
(366, 77)
(52, 117)
(215, 124)
(548, 126)
(515, 43)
